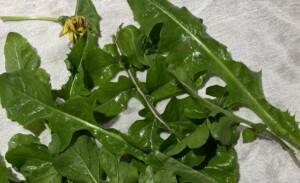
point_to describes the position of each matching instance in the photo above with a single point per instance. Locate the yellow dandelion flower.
(75, 26)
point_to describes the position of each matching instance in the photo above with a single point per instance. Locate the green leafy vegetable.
(35, 97)
(192, 140)
(243, 85)
(21, 99)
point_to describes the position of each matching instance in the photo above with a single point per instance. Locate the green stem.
(268, 132)
(149, 105)
(285, 146)
(21, 18)
(277, 139)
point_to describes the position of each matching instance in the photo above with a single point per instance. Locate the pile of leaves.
(178, 57)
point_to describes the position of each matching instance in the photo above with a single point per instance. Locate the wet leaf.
(156, 177)
(80, 162)
(32, 159)
(101, 66)
(250, 134)
(223, 165)
(184, 171)
(183, 33)
(19, 54)
(194, 140)
(113, 97)
(225, 130)
(146, 134)
(116, 170)
(130, 42)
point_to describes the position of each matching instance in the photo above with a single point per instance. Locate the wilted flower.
(75, 26)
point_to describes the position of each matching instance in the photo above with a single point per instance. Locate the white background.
(264, 34)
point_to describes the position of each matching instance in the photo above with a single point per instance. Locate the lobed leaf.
(172, 42)
(180, 113)
(182, 31)
(216, 91)
(24, 147)
(195, 140)
(193, 157)
(81, 107)
(32, 159)
(20, 92)
(182, 76)
(31, 101)
(159, 82)
(224, 130)
(223, 165)
(77, 85)
(113, 97)
(146, 134)
(101, 66)
(112, 50)
(251, 133)
(184, 171)
(130, 42)
(183, 110)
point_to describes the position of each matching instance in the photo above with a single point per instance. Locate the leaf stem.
(244, 121)
(284, 146)
(21, 18)
(149, 104)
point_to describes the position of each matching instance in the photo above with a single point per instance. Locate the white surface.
(264, 34)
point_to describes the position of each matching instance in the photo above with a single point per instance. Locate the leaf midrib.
(78, 69)
(255, 103)
(86, 166)
(132, 43)
(16, 58)
(85, 123)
